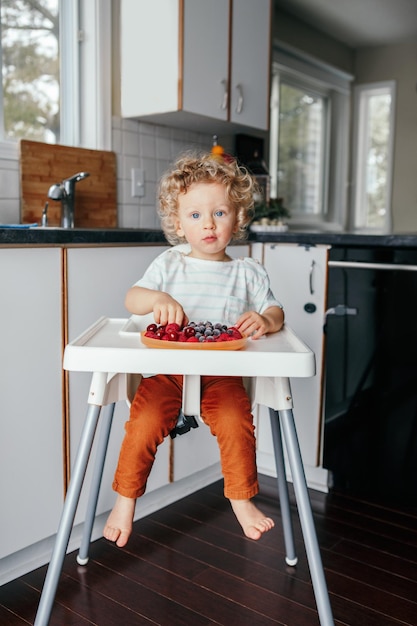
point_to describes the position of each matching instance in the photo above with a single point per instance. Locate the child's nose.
(209, 222)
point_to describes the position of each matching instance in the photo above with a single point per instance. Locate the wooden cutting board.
(42, 165)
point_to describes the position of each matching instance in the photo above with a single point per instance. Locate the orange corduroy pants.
(225, 408)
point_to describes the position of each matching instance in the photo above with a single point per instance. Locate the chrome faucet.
(65, 192)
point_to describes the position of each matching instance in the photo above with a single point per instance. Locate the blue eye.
(219, 213)
(195, 215)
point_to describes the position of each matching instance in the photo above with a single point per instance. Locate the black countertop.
(130, 236)
(79, 236)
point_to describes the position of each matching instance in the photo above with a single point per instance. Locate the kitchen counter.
(79, 236)
(130, 236)
(340, 239)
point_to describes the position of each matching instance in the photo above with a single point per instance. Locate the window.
(373, 161)
(308, 139)
(30, 70)
(56, 69)
(302, 140)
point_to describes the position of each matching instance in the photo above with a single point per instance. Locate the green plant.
(274, 210)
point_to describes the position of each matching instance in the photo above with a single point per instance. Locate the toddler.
(205, 202)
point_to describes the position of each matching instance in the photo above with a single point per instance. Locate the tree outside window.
(301, 149)
(30, 70)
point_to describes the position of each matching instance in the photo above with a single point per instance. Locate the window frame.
(322, 78)
(85, 70)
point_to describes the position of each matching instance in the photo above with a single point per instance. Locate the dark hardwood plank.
(190, 563)
(194, 599)
(21, 598)
(7, 618)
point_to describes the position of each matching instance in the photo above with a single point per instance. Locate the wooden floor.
(189, 564)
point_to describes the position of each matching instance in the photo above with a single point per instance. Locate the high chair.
(112, 351)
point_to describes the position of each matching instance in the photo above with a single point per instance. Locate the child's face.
(206, 220)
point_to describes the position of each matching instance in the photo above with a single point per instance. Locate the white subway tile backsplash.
(129, 143)
(129, 162)
(149, 218)
(129, 216)
(150, 168)
(150, 193)
(128, 125)
(157, 146)
(136, 144)
(163, 147)
(116, 136)
(147, 146)
(9, 181)
(9, 211)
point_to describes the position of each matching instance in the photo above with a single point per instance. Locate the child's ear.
(178, 229)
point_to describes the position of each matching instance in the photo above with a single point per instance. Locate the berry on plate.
(202, 332)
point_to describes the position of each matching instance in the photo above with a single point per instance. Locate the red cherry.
(192, 339)
(148, 333)
(152, 328)
(172, 335)
(172, 327)
(189, 331)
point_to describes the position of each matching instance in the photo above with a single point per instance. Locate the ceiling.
(357, 23)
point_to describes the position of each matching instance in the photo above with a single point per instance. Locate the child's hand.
(255, 325)
(166, 310)
(252, 324)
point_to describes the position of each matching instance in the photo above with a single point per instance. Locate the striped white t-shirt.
(215, 291)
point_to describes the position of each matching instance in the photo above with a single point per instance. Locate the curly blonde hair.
(192, 168)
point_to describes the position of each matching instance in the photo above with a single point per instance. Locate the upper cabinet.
(196, 64)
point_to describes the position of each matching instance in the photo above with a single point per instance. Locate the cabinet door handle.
(239, 106)
(313, 263)
(225, 99)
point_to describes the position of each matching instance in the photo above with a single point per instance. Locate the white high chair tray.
(107, 346)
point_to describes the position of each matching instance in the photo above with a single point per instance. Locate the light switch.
(138, 183)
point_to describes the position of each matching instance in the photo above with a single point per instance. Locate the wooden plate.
(235, 344)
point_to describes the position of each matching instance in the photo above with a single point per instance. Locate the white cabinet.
(250, 63)
(298, 277)
(31, 481)
(196, 64)
(97, 282)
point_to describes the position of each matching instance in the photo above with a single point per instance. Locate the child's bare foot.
(119, 524)
(252, 520)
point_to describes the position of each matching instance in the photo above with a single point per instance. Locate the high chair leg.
(306, 517)
(291, 557)
(102, 444)
(67, 518)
